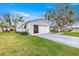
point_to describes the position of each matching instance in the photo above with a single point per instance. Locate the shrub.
(23, 33)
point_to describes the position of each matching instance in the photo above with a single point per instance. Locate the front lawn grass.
(13, 44)
(54, 32)
(75, 34)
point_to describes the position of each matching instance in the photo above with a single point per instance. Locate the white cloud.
(74, 4)
(21, 13)
(24, 14)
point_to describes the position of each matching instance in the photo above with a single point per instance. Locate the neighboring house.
(75, 27)
(35, 27)
(11, 28)
(7, 28)
(0, 27)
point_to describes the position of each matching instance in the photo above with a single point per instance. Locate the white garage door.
(43, 29)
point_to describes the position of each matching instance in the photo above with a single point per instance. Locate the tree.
(69, 14)
(58, 17)
(48, 14)
(8, 19)
(62, 16)
(1, 23)
(21, 19)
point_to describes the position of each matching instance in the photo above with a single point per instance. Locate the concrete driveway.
(67, 40)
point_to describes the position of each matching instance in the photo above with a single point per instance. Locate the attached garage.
(40, 26)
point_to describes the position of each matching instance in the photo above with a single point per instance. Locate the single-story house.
(11, 28)
(7, 29)
(34, 27)
(75, 27)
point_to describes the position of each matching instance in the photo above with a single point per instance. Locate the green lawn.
(75, 34)
(54, 32)
(20, 45)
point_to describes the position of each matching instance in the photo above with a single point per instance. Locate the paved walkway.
(67, 40)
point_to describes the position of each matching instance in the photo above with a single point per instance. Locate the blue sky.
(31, 10)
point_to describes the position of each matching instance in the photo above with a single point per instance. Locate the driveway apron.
(67, 40)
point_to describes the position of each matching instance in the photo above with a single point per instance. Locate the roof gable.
(38, 20)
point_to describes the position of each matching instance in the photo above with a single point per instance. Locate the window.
(35, 28)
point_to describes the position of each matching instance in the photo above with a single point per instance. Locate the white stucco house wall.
(35, 27)
(39, 26)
